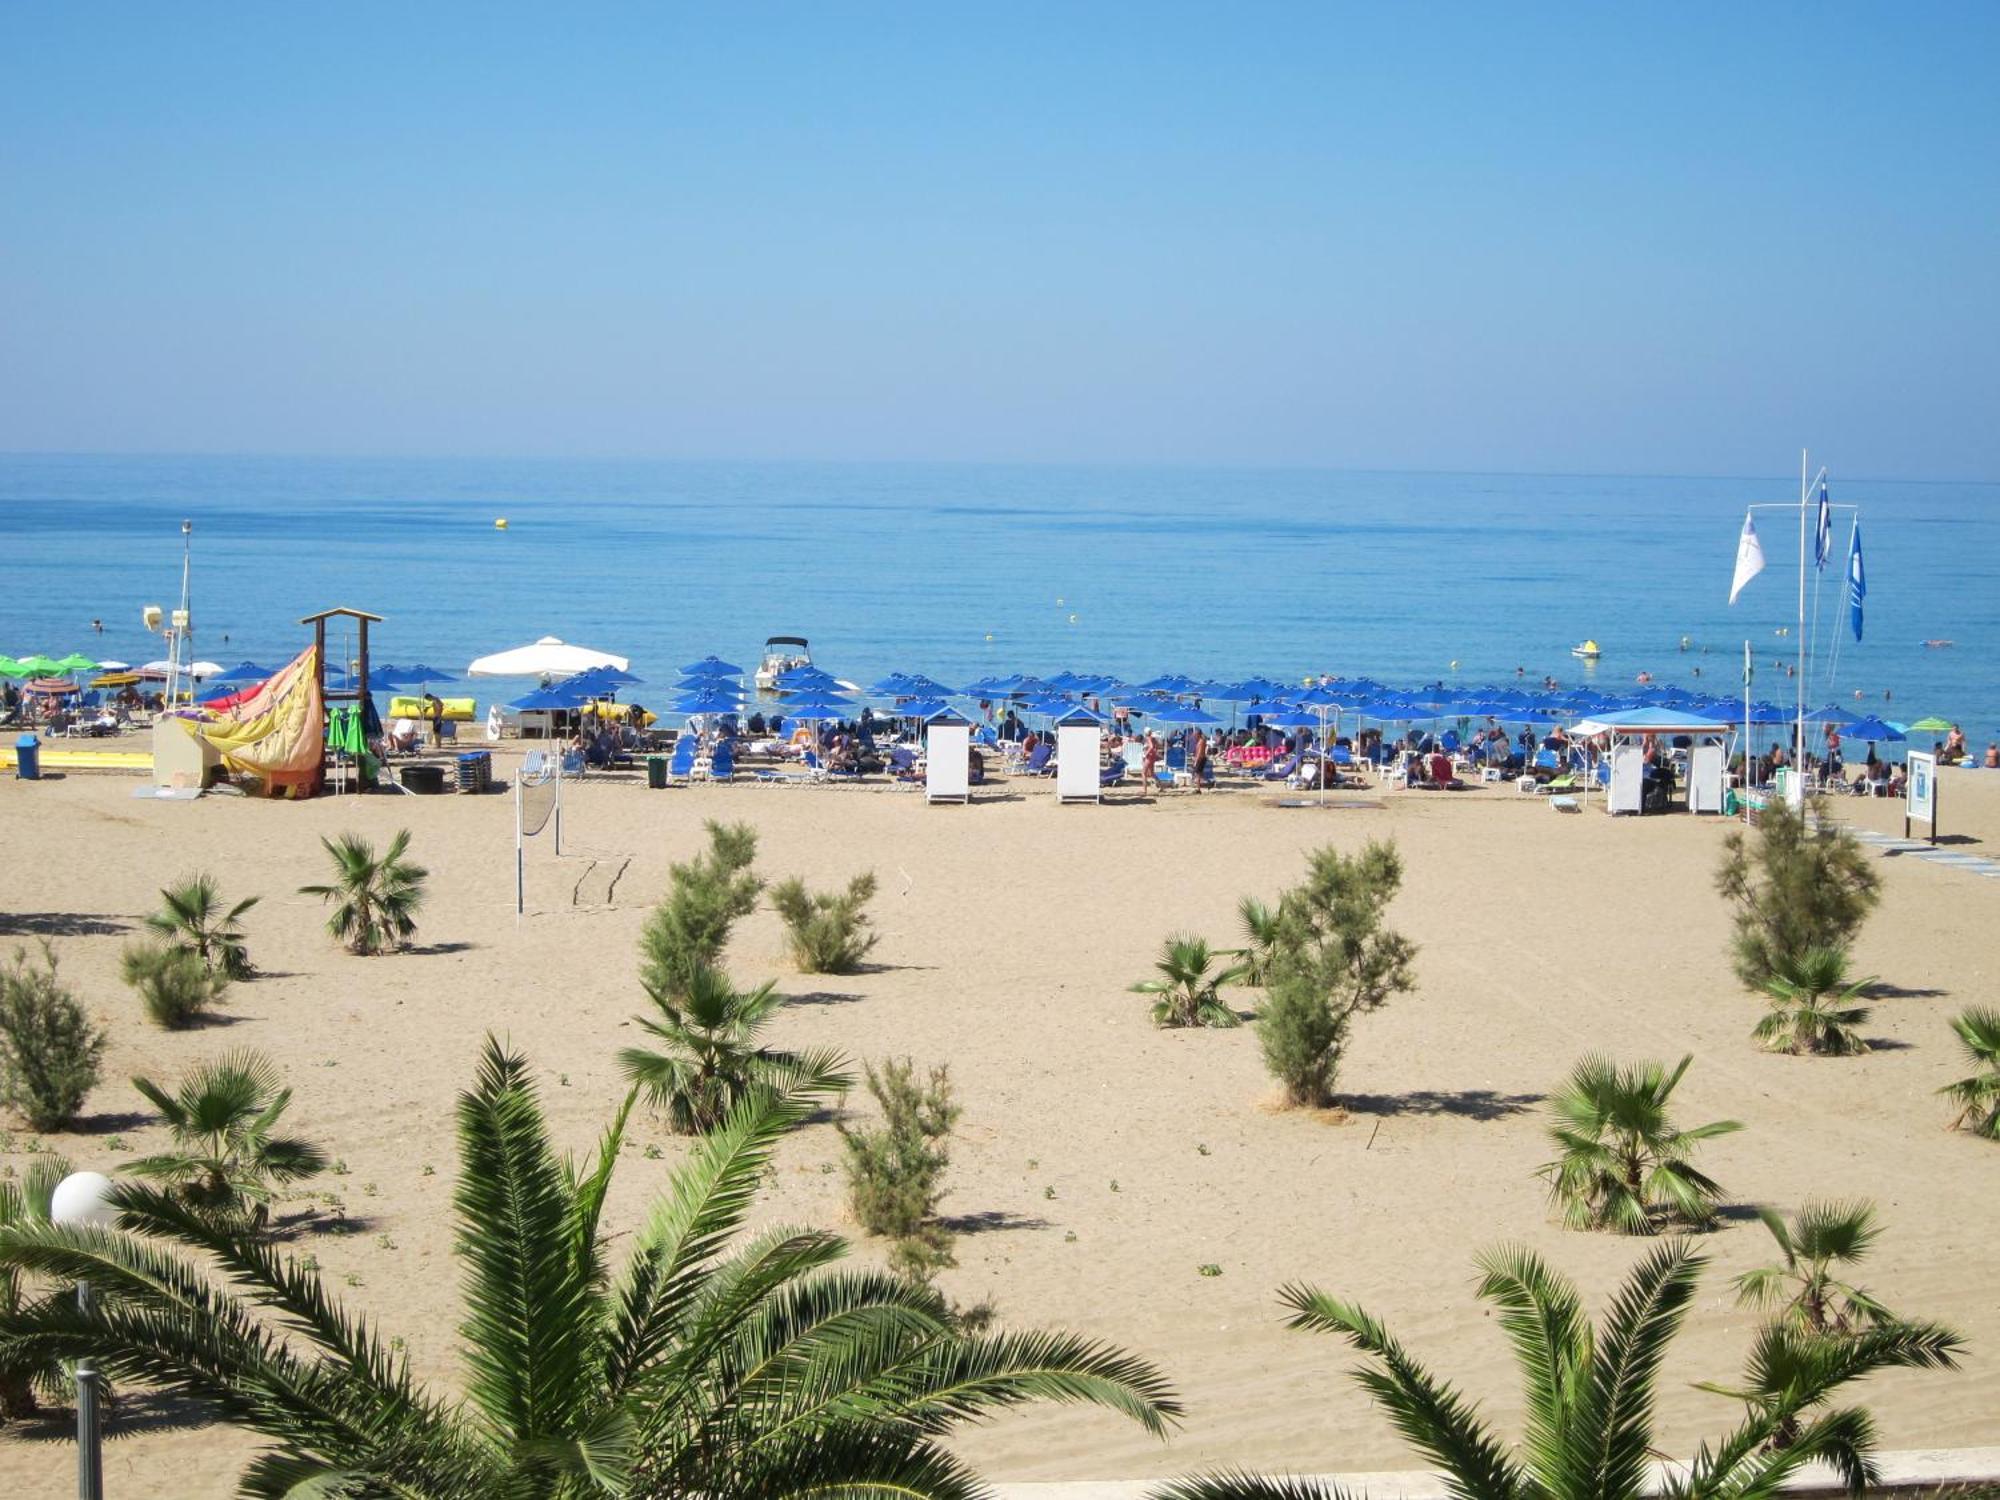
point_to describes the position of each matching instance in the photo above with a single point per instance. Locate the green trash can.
(656, 771)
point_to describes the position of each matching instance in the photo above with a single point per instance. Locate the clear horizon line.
(304, 455)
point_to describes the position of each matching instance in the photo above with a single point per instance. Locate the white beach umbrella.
(114, 666)
(547, 657)
(203, 669)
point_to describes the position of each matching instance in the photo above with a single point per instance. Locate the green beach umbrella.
(76, 661)
(40, 665)
(1932, 725)
(11, 668)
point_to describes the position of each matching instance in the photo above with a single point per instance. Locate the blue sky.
(1684, 239)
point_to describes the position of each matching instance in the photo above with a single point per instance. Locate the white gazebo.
(547, 658)
(1079, 741)
(1628, 730)
(948, 757)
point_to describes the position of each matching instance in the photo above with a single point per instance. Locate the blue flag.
(1823, 533)
(1857, 581)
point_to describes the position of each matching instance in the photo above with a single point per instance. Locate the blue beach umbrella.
(711, 666)
(706, 703)
(920, 708)
(549, 699)
(1872, 728)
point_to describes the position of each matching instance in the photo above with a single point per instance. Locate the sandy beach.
(1100, 1163)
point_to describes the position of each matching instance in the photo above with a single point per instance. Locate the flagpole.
(1747, 747)
(1799, 752)
(1833, 670)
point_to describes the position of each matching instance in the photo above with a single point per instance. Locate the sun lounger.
(722, 764)
(1281, 770)
(1038, 763)
(681, 766)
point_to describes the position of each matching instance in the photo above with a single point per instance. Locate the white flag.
(1749, 557)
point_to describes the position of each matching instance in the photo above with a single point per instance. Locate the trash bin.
(424, 780)
(656, 771)
(28, 758)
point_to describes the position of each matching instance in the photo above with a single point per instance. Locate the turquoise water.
(963, 570)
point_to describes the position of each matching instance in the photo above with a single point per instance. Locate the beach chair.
(681, 766)
(722, 764)
(1038, 763)
(1281, 770)
(573, 764)
(1111, 775)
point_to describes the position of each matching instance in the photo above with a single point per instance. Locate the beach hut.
(1079, 741)
(948, 757)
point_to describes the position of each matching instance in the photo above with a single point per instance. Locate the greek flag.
(1857, 581)
(1823, 533)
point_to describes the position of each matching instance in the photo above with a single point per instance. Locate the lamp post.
(83, 1200)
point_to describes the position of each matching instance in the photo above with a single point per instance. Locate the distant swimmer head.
(1072, 619)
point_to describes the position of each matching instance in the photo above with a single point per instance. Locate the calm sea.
(963, 570)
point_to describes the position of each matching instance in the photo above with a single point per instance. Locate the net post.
(520, 871)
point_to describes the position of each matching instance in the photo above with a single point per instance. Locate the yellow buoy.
(501, 524)
(989, 635)
(1454, 666)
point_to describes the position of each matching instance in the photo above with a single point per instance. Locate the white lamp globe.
(83, 1199)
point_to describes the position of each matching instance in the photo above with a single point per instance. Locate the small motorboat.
(1588, 650)
(781, 654)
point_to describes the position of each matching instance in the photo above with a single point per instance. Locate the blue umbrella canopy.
(921, 708)
(614, 676)
(815, 714)
(1183, 713)
(1292, 718)
(1170, 682)
(1872, 728)
(243, 671)
(711, 666)
(558, 697)
(707, 703)
(422, 672)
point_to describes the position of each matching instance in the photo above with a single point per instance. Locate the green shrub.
(375, 900)
(829, 931)
(1622, 1163)
(686, 932)
(1797, 884)
(1978, 1096)
(194, 919)
(173, 984)
(895, 1174)
(27, 1379)
(1331, 959)
(1185, 989)
(49, 1049)
(1812, 1006)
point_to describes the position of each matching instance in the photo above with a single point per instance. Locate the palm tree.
(711, 1057)
(227, 1156)
(1812, 1005)
(1259, 920)
(704, 1366)
(1624, 1165)
(1186, 989)
(1590, 1393)
(1978, 1097)
(378, 898)
(194, 921)
(22, 1381)
(1808, 1296)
